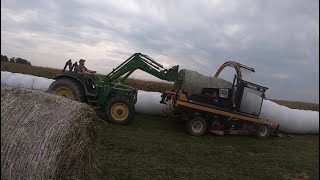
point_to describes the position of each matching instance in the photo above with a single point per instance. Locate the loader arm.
(144, 63)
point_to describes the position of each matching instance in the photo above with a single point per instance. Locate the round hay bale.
(44, 136)
(193, 82)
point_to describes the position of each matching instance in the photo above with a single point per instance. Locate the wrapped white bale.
(44, 136)
(193, 82)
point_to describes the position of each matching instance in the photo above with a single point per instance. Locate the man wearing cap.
(82, 70)
(87, 74)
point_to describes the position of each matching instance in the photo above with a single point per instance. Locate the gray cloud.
(280, 39)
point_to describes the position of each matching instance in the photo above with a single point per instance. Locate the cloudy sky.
(279, 39)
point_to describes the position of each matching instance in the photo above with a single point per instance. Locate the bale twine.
(44, 136)
(193, 82)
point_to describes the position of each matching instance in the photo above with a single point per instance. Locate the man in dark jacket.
(87, 74)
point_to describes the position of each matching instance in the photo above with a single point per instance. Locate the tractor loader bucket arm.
(144, 63)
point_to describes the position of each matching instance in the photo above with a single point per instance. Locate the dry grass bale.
(193, 82)
(44, 136)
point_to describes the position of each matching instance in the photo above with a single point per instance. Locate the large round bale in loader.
(193, 82)
(45, 136)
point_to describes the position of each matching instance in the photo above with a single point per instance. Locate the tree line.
(15, 60)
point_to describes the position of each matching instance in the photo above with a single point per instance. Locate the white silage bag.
(4, 76)
(42, 83)
(25, 80)
(291, 120)
(149, 103)
(19, 80)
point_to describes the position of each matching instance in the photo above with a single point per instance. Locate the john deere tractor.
(109, 93)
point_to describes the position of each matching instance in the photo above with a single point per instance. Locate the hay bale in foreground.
(44, 136)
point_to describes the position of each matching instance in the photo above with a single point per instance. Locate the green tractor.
(109, 93)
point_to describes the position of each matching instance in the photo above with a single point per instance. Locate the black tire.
(262, 131)
(120, 111)
(67, 88)
(196, 126)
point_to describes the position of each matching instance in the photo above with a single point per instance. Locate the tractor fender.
(75, 77)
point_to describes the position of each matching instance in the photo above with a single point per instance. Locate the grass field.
(153, 147)
(156, 148)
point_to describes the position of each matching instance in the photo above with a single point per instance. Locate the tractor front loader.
(109, 93)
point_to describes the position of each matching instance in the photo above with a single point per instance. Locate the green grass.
(156, 148)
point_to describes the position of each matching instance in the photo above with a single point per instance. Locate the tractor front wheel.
(67, 88)
(120, 111)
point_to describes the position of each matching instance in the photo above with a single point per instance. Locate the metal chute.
(237, 66)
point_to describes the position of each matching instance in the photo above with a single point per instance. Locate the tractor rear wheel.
(120, 111)
(67, 88)
(196, 126)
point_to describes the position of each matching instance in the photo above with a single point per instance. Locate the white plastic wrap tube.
(290, 120)
(149, 103)
(24, 80)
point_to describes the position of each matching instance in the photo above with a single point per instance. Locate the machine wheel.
(196, 126)
(67, 88)
(263, 131)
(120, 111)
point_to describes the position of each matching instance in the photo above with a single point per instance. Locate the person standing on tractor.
(87, 74)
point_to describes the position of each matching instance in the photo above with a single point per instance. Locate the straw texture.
(44, 136)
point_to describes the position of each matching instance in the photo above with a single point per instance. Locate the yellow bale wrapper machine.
(218, 106)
